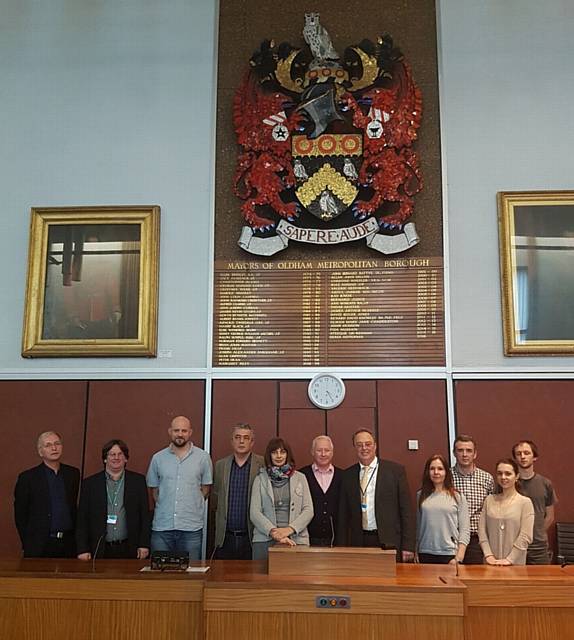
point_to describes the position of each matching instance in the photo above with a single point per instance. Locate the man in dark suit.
(375, 508)
(231, 495)
(324, 481)
(45, 502)
(113, 516)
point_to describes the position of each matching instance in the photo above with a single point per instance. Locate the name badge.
(363, 506)
(112, 518)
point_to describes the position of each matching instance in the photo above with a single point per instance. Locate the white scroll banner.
(261, 246)
(394, 244)
(367, 229)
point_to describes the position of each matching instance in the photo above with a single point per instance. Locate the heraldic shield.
(326, 145)
(326, 172)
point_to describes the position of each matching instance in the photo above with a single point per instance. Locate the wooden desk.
(534, 602)
(65, 600)
(244, 603)
(326, 561)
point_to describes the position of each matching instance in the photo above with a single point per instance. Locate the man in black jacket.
(113, 516)
(45, 502)
(324, 481)
(375, 508)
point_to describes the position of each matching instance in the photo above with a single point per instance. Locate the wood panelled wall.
(497, 413)
(87, 414)
(398, 410)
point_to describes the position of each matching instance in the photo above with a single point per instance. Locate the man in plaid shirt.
(475, 484)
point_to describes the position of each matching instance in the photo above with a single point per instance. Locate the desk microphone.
(215, 548)
(332, 531)
(96, 550)
(562, 561)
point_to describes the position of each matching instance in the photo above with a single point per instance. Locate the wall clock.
(326, 391)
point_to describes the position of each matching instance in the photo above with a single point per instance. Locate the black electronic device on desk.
(169, 561)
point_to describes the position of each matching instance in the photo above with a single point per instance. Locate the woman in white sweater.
(281, 505)
(443, 522)
(507, 519)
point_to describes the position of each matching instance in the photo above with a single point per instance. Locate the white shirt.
(369, 496)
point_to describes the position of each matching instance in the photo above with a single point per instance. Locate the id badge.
(363, 506)
(112, 518)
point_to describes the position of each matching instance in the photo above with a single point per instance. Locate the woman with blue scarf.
(281, 505)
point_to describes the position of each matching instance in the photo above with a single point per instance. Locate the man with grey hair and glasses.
(45, 500)
(324, 481)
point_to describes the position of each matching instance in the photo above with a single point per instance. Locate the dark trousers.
(537, 554)
(60, 547)
(236, 546)
(473, 553)
(321, 542)
(371, 539)
(116, 550)
(431, 558)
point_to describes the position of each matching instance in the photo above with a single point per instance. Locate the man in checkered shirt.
(475, 484)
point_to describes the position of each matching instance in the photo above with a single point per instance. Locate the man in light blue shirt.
(180, 477)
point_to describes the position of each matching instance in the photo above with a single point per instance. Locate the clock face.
(326, 391)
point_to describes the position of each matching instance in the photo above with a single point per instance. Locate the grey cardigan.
(262, 508)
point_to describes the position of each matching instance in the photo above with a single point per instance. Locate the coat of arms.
(327, 145)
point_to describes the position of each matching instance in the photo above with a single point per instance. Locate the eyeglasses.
(364, 445)
(52, 445)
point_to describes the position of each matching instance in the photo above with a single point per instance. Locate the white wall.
(112, 102)
(507, 92)
(109, 102)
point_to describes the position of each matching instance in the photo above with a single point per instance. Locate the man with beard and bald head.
(324, 481)
(45, 499)
(180, 477)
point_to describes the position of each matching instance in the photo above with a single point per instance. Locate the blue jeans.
(177, 540)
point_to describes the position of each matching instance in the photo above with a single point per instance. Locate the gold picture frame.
(92, 286)
(537, 272)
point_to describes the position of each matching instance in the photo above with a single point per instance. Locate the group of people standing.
(466, 515)
(260, 501)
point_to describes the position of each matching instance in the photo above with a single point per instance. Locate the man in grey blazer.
(231, 495)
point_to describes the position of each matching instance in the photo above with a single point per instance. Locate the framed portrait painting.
(537, 266)
(92, 287)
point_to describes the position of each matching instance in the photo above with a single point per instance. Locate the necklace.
(282, 494)
(499, 504)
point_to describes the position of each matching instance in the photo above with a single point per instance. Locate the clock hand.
(329, 394)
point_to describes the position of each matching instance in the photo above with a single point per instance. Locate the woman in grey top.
(507, 519)
(281, 505)
(443, 522)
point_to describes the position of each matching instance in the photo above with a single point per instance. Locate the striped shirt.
(474, 486)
